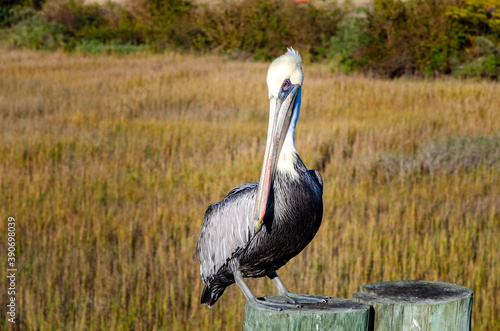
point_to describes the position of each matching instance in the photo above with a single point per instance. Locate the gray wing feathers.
(227, 229)
(241, 188)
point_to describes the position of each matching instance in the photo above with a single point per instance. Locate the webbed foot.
(304, 298)
(275, 305)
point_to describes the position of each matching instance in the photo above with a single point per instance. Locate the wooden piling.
(336, 314)
(418, 305)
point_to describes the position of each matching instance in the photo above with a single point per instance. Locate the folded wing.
(227, 229)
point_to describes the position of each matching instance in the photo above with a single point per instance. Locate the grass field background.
(109, 163)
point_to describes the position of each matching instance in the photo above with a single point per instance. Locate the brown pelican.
(259, 227)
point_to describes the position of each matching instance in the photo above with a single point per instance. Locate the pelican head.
(284, 81)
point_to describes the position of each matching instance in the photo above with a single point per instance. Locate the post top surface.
(414, 291)
(334, 305)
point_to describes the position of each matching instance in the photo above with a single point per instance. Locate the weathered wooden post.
(336, 314)
(418, 305)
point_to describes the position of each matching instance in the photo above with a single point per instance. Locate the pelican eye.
(286, 84)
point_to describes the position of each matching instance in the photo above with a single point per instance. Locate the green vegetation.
(257, 28)
(35, 32)
(93, 46)
(421, 37)
(108, 164)
(347, 43)
(391, 38)
(265, 28)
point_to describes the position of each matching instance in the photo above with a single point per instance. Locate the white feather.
(287, 66)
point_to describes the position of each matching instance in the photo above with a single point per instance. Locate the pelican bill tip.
(257, 224)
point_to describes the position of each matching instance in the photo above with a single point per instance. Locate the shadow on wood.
(336, 314)
(418, 305)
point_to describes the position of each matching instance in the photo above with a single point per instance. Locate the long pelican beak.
(275, 137)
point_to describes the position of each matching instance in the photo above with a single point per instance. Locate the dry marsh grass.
(109, 163)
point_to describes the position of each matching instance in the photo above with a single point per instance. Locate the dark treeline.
(390, 38)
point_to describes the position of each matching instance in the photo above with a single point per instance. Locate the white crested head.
(287, 66)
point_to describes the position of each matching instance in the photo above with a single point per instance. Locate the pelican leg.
(252, 299)
(291, 297)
